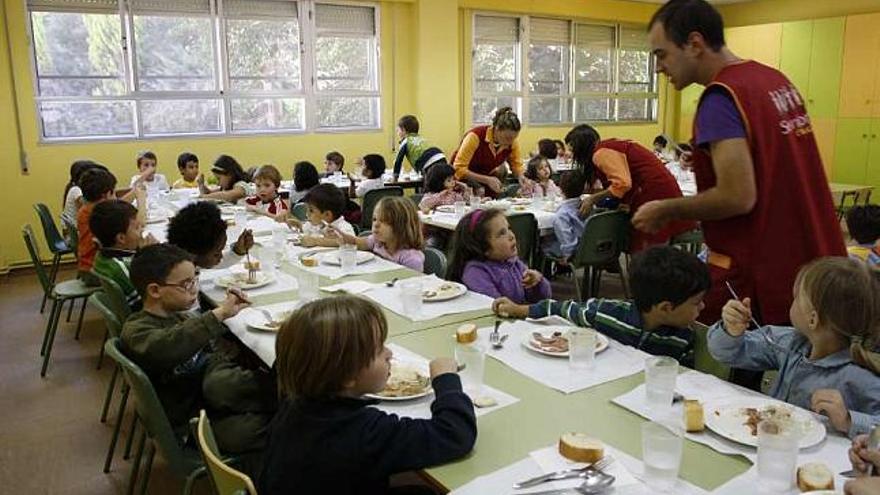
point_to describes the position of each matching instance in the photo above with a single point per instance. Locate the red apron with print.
(793, 221)
(650, 181)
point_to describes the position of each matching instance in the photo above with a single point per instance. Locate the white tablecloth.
(262, 343)
(334, 272)
(448, 221)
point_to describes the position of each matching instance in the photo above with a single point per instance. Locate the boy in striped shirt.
(668, 286)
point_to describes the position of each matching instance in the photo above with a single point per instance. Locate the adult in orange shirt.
(484, 149)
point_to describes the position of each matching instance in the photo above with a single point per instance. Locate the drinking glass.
(460, 208)
(777, 456)
(475, 202)
(660, 373)
(308, 285)
(411, 296)
(266, 257)
(473, 357)
(661, 456)
(279, 239)
(348, 257)
(537, 198)
(582, 348)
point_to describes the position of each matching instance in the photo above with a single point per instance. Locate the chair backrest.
(416, 198)
(435, 262)
(605, 236)
(30, 241)
(101, 301)
(510, 190)
(525, 227)
(300, 211)
(226, 480)
(703, 360)
(150, 412)
(118, 303)
(371, 199)
(50, 230)
(690, 241)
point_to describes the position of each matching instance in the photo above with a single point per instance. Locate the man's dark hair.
(185, 158)
(409, 124)
(572, 183)
(197, 228)
(863, 223)
(680, 18)
(547, 148)
(152, 264)
(664, 273)
(95, 183)
(327, 197)
(110, 218)
(375, 164)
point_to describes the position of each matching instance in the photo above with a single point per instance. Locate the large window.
(555, 71)
(145, 68)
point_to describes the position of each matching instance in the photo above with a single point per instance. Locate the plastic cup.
(661, 456)
(777, 456)
(411, 296)
(582, 348)
(308, 285)
(660, 374)
(460, 208)
(475, 202)
(348, 257)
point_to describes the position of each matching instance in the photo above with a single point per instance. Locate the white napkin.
(352, 287)
(550, 460)
(390, 297)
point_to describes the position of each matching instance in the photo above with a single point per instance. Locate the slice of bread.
(466, 333)
(814, 476)
(693, 416)
(309, 261)
(579, 447)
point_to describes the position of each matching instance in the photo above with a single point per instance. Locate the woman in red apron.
(628, 172)
(484, 149)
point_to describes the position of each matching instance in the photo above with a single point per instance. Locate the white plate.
(444, 292)
(528, 342)
(421, 368)
(332, 258)
(521, 201)
(446, 208)
(239, 279)
(259, 321)
(156, 219)
(727, 419)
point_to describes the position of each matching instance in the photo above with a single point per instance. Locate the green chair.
(59, 293)
(183, 462)
(300, 211)
(690, 241)
(116, 296)
(435, 262)
(226, 480)
(509, 191)
(605, 237)
(703, 360)
(371, 199)
(525, 227)
(57, 245)
(416, 198)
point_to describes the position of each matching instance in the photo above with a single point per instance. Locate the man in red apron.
(763, 200)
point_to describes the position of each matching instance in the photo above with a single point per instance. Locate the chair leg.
(101, 350)
(52, 311)
(82, 313)
(70, 309)
(191, 479)
(130, 440)
(151, 452)
(120, 417)
(136, 465)
(53, 327)
(53, 271)
(108, 398)
(577, 284)
(43, 304)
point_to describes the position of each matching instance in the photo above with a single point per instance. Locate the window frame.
(222, 92)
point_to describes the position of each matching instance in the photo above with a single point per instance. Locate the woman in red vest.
(484, 149)
(628, 172)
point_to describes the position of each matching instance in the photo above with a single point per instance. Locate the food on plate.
(309, 261)
(443, 290)
(405, 382)
(466, 333)
(485, 401)
(693, 416)
(252, 265)
(553, 343)
(579, 447)
(782, 415)
(814, 476)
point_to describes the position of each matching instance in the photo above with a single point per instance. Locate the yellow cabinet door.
(794, 59)
(825, 132)
(872, 171)
(851, 151)
(858, 78)
(826, 58)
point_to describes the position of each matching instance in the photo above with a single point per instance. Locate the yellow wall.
(425, 49)
(769, 11)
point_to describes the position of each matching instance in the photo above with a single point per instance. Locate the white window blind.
(84, 6)
(160, 7)
(594, 37)
(492, 29)
(259, 8)
(549, 31)
(344, 19)
(634, 39)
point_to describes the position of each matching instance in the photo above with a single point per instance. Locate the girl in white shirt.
(373, 170)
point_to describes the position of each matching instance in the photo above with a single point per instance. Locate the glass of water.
(537, 198)
(475, 202)
(777, 456)
(241, 217)
(308, 285)
(279, 239)
(460, 208)
(473, 357)
(411, 296)
(266, 257)
(582, 348)
(348, 257)
(660, 374)
(661, 456)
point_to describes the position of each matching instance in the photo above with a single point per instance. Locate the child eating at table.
(267, 201)
(397, 233)
(836, 308)
(540, 183)
(119, 227)
(668, 286)
(325, 206)
(188, 166)
(325, 438)
(233, 180)
(484, 258)
(372, 171)
(182, 355)
(147, 164)
(305, 177)
(333, 162)
(568, 226)
(97, 185)
(863, 224)
(441, 189)
(199, 229)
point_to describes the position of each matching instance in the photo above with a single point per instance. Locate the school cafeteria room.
(419, 247)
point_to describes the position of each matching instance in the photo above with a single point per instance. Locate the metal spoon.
(594, 482)
(391, 282)
(496, 339)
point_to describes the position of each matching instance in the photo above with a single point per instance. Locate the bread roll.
(693, 416)
(309, 261)
(579, 447)
(466, 333)
(814, 476)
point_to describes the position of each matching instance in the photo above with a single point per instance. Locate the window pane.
(635, 67)
(592, 66)
(635, 109)
(79, 119)
(593, 109)
(347, 111)
(78, 54)
(269, 114)
(174, 53)
(344, 63)
(495, 68)
(180, 116)
(263, 55)
(484, 107)
(548, 110)
(547, 67)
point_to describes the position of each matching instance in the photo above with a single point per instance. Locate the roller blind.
(345, 19)
(495, 29)
(96, 6)
(549, 31)
(261, 8)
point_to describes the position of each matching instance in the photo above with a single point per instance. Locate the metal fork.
(252, 273)
(267, 315)
(565, 474)
(754, 321)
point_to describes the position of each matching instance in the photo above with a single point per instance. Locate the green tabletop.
(543, 414)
